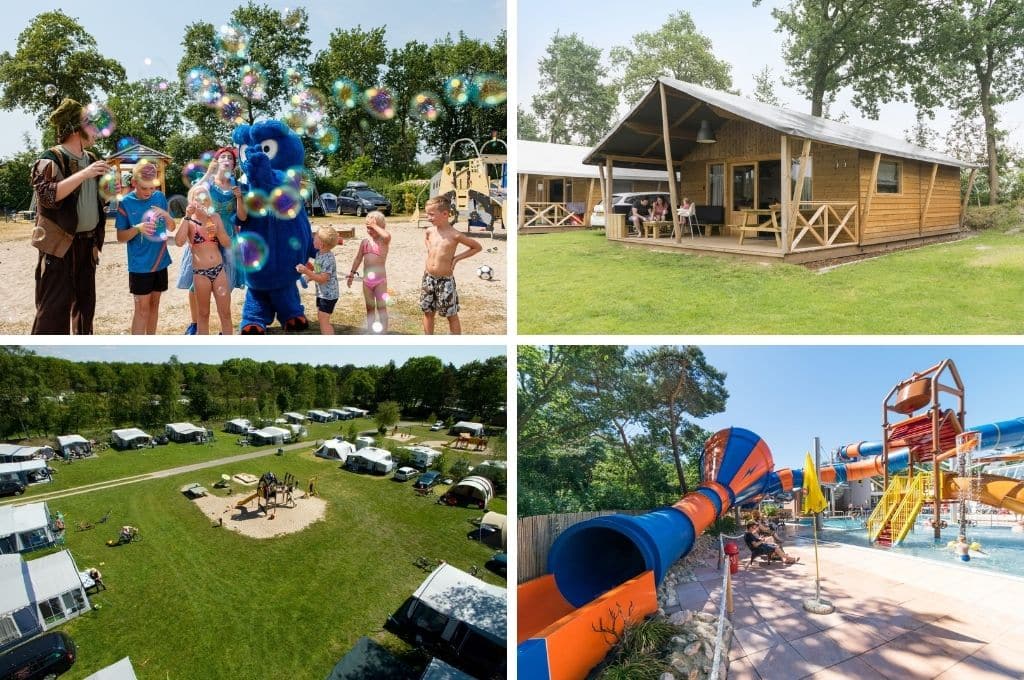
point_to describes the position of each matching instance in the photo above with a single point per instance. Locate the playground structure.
(604, 572)
(475, 183)
(271, 493)
(465, 441)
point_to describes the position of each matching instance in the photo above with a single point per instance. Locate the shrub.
(723, 525)
(459, 469)
(497, 475)
(442, 464)
(1000, 217)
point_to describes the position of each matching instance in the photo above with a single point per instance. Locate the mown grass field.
(195, 601)
(579, 283)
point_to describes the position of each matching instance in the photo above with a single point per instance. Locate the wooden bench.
(751, 225)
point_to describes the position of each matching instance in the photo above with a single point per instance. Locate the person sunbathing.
(762, 548)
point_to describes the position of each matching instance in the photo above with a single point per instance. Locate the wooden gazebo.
(124, 161)
(788, 185)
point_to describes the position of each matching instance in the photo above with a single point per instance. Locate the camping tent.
(474, 429)
(130, 438)
(336, 449)
(450, 605)
(12, 453)
(185, 432)
(57, 587)
(318, 416)
(25, 527)
(293, 417)
(120, 670)
(270, 435)
(26, 472)
(498, 521)
(472, 490)
(73, 445)
(363, 442)
(237, 426)
(371, 459)
(17, 606)
(342, 413)
(360, 412)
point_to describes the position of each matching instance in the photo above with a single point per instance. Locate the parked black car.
(46, 656)
(11, 487)
(361, 200)
(428, 480)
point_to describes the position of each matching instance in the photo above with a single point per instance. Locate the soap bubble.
(389, 298)
(426, 106)
(154, 218)
(257, 204)
(193, 172)
(294, 78)
(346, 93)
(252, 82)
(285, 202)
(377, 327)
(294, 243)
(232, 109)
(38, 234)
(379, 103)
(291, 18)
(310, 104)
(233, 41)
(250, 251)
(50, 90)
(109, 186)
(459, 90)
(301, 179)
(327, 139)
(126, 143)
(99, 120)
(203, 87)
(489, 90)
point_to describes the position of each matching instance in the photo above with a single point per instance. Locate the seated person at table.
(659, 210)
(760, 548)
(640, 214)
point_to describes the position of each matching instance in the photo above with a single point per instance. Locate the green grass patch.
(583, 284)
(192, 600)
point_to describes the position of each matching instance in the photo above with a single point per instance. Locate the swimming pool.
(1005, 548)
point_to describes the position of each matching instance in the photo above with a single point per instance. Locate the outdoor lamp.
(705, 135)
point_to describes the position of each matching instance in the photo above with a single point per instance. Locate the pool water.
(1005, 548)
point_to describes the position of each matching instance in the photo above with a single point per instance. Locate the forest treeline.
(44, 396)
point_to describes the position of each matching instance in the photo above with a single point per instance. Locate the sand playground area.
(278, 521)
(483, 302)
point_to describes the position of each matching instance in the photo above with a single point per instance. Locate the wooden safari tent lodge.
(558, 192)
(789, 186)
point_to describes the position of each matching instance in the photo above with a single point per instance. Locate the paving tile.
(964, 644)
(740, 669)
(820, 649)
(757, 637)
(973, 669)
(851, 669)
(856, 638)
(745, 616)
(1003, 657)
(794, 627)
(776, 611)
(910, 656)
(782, 662)
(883, 628)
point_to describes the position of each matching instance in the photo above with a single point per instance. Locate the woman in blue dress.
(228, 202)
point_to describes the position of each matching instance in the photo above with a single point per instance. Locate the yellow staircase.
(896, 512)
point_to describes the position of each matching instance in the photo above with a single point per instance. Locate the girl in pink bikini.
(204, 231)
(373, 253)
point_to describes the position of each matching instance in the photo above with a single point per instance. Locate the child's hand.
(348, 280)
(190, 210)
(302, 269)
(237, 191)
(147, 228)
(211, 230)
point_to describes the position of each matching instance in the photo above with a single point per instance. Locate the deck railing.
(548, 215)
(823, 222)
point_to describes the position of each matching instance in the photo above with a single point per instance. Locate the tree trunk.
(989, 114)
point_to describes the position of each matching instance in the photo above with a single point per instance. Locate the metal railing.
(725, 606)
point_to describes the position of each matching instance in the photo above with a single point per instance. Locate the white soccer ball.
(485, 272)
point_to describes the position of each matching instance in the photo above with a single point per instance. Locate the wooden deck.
(727, 245)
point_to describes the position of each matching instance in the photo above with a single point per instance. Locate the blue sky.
(313, 354)
(788, 395)
(742, 35)
(135, 31)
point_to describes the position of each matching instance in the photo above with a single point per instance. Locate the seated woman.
(659, 210)
(760, 548)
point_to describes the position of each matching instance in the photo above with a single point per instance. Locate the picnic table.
(652, 228)
(752, 223)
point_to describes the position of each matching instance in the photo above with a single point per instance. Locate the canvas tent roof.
(240, 422)
(120, 670)
(130, 433)
(15, 451)
(468, 425)
(293, 414)
(14, 594)
(185, 428)
(338, 445)
(53, 574)
(268, 432)
(541, 158)
(318, 412)
(15, 519)
(374, 454)
(67, 439)
(455, 593)
(481, 487)
(22, 466)
(633, 134)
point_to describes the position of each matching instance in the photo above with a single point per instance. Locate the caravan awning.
(16, 519)
(13, 593)
(53, 575)
(458, 595)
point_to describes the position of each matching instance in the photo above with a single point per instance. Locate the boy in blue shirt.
(143, 222)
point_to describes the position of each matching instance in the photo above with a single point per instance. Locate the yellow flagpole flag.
(814, 500)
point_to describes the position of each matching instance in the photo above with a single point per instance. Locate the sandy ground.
(259, 525)
(483, 302)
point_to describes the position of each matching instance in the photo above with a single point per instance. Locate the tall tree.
(868, 45)
(980, 62)
(55, 58)
(573, 105)
(677, 50)
(527, 125)
(146, 111)
(764, 88)
(387, 414)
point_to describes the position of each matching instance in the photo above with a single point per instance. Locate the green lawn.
(192, 600)
(580, 283)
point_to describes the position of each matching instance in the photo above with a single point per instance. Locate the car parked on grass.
(404, 474)
(359, 200)
(428, 480)
(46, 656)
(11, 487)
(623, 203)
(439, 425)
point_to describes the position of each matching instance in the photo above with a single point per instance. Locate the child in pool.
(373, 254)
(204, 231)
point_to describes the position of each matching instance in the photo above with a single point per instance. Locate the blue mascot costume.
(268, 149)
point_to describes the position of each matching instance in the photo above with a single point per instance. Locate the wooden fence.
(536, 534)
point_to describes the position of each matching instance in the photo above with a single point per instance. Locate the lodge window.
(8, 630)
(888, 178)
(51, 610)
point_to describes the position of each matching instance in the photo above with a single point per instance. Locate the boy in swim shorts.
(324, 273)
(438, 294)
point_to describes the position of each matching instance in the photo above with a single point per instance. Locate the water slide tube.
(615, 562)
